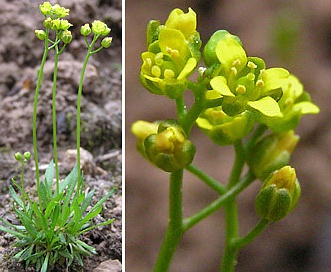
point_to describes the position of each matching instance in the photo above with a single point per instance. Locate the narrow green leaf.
(27, 222)
(96, 226)
(86, 246)
(55, 215)
(91, 214)
(87, 201)
(45, 264)
(13, 232)
(96, 209)
(71, 181)
(15, 196)
(40, 218)
(52, 204)
(49, 176)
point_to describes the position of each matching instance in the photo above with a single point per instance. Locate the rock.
(87, 163)
(109, 266)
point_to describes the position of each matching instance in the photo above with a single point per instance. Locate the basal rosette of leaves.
(172, 55)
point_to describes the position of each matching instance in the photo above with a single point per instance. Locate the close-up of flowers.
(235, 100)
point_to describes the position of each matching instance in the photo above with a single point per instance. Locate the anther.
(251, 65)
(241, 89)
(156, 71)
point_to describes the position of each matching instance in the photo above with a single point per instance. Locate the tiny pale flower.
(100, 28)
(45, 8)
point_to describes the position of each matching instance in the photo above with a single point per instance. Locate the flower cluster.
(99, 28)
(172, 55)
(53, 20)
(274, 96)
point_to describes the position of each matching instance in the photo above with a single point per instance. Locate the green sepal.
(152, 31)
(209, 51)
(272, 204)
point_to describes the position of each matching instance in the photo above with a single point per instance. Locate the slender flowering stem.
(35, 106)
(212, 183)
(192, 220)
(256, 231)
(56, 161)
(175, 230)
(79, 99)
(231, 212)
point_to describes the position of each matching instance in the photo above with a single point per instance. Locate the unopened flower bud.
(106, 42)
(18, 156)
(279, 194)
(167, 147)
(85, 30)
(27, 155)
(41, 34)
(271, 153)
(66, 36)
(48, 22)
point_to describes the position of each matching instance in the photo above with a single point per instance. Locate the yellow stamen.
(156, 71)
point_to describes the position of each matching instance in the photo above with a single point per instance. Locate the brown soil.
(20, 55)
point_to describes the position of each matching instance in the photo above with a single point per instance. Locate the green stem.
(257, 230)
(79, 99)
(231, 212)
(212, 183)
(181, 108)
(56, 161)
(191, 221)
(175, 230)
(22, 182)
(196, 109)
(34, 118)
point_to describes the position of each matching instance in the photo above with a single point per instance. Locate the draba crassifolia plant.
(53, 221)
(238, 101)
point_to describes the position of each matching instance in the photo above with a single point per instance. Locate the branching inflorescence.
(239, 102)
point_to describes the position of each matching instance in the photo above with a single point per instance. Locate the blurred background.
(295, 35)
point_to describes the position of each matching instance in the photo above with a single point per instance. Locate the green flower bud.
(45, 8)
(167, 148)
(224, 129)
(279, 194)
(85, 30)
(106, 42)
(27, 155)
(18, 156)
(48, 22)
(100, 28)
(271, 153)
(66, 36)
(41, 34)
